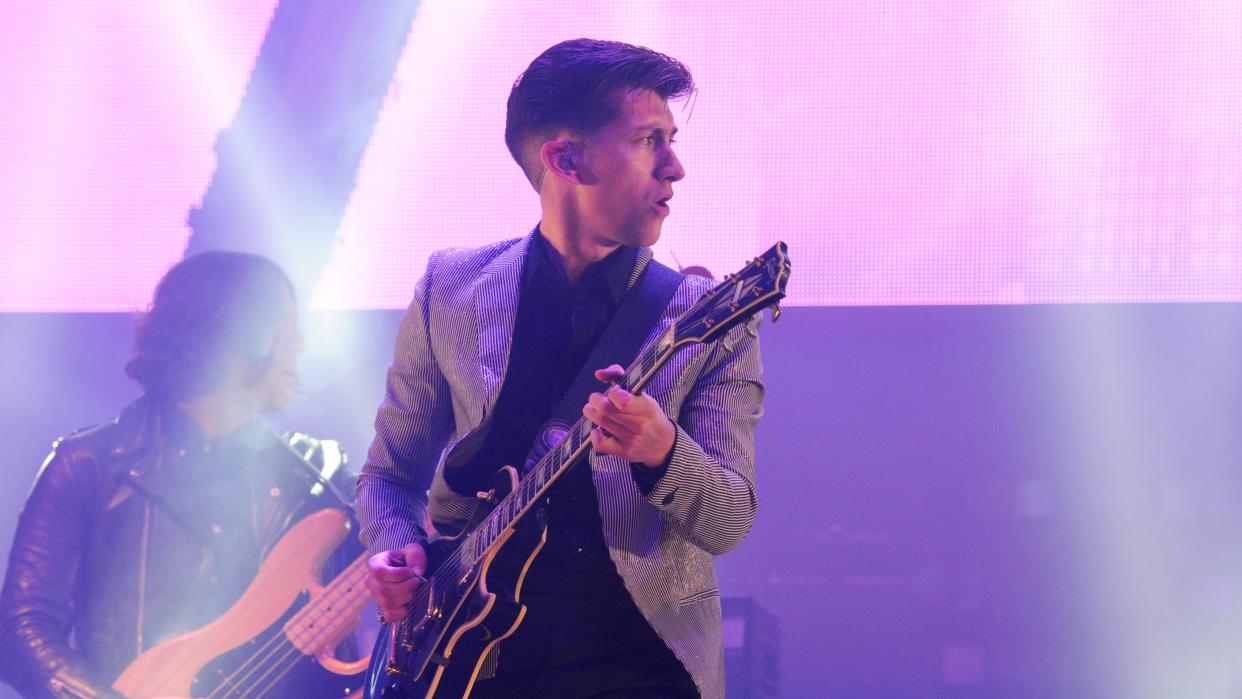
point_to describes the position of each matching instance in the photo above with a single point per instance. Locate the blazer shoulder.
(688, 293)
(697, 286)
(469, 260)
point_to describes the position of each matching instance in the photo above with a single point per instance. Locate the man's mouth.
(662, 204)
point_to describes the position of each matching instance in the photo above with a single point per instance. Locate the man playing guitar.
(621, 600)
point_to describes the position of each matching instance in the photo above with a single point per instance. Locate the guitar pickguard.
(268, 666)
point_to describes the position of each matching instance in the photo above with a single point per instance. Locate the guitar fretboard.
(321, 622)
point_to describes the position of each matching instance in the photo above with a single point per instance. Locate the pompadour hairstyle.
(209, 309)
(578, 85)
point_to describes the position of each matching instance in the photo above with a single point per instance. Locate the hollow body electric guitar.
(471, 600)
(285, 620)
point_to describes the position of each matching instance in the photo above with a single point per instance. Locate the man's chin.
(648, 237)
(643, 236)
(275, 403)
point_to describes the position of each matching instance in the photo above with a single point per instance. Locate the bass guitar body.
(252, 650)
(462, 612)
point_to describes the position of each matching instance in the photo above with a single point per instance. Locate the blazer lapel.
(495, 309)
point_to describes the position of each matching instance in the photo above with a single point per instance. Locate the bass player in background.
(152, 524)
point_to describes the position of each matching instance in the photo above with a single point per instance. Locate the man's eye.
(648, 140)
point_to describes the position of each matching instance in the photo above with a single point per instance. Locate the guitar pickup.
(394, 668)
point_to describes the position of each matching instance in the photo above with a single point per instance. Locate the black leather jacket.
(109, 549)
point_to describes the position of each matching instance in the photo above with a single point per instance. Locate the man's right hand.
(392, 578)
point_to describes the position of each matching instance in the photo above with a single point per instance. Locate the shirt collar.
(182, 433)
(615, 269)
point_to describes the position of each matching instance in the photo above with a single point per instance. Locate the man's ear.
(559, 159)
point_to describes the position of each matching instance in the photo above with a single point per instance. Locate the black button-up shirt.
(583, 630)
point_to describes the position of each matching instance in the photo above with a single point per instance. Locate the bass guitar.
(471, 600)
(285, 619)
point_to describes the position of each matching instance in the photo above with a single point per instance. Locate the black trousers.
(499, 689)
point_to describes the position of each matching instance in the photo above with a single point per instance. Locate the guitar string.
(289, 658)
(258, 686)
(275, 680)
(282, 638)
(281, 667)
(278, 639)
(232, 681)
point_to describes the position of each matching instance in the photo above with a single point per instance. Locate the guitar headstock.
(759, 284)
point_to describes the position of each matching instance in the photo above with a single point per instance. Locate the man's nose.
(672, 170)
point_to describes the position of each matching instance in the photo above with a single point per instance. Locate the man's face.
(628, 168)
(273, 385)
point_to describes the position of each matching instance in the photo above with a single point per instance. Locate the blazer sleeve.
(37, 606)
(412, 426)
(708, 487)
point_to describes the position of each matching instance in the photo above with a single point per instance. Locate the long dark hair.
(209, 309)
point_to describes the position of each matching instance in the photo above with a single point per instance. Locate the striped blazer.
(450, 360)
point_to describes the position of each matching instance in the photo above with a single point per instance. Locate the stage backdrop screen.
(971, 152)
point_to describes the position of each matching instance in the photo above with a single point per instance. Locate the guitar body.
(246, 652)
(440, 650)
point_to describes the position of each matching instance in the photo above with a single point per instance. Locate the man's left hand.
(634, 428)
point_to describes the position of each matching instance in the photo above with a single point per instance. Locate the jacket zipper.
(142, 571)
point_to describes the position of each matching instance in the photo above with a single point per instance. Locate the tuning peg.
(776, 313)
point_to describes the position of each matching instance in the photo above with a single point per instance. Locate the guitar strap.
(636, 315)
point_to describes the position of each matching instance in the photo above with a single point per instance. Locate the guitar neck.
(333, 613)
